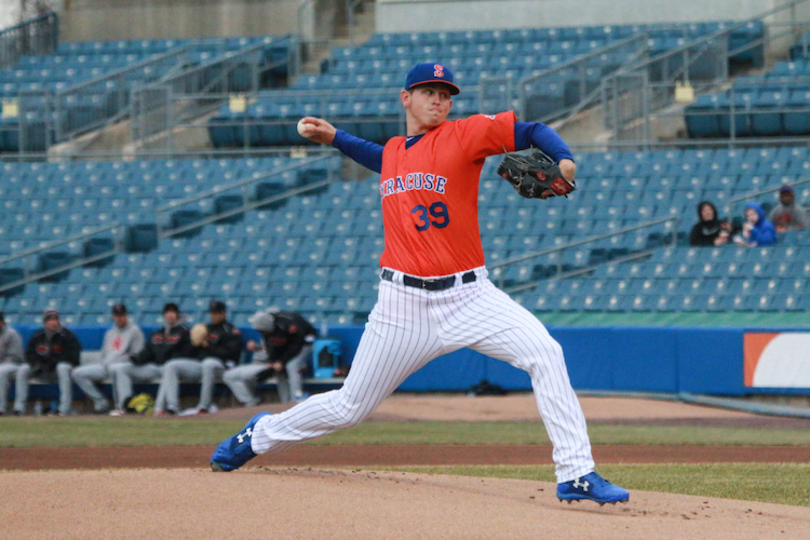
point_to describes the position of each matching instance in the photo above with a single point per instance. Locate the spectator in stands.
(787, 215)
(285, 349)
(11, 358)
(757, 230)
(51, 354)
(709, 230)
(219, 350)
(121, 342)
(169, 342)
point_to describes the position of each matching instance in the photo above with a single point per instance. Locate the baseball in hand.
(305, 129)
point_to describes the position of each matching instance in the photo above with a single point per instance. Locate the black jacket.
(704, 233)
(43, 352)
(289, 335)
(224, 342)
(165, 344)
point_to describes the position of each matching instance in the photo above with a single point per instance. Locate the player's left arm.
(539, 135)
(73, 348)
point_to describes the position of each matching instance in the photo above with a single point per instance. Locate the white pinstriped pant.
(409, 327)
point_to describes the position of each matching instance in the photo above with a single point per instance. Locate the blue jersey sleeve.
(366, 153)
(528, 134)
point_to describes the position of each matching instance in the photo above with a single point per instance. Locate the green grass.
(727, 480)
(139, 431)
(781, 483)
(735, 319)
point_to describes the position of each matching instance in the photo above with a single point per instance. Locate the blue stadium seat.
(797, 122)
(767, 124)
(741, 118)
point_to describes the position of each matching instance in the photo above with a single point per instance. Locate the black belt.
(428, 284)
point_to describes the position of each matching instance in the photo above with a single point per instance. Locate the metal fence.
(102, 100)
(633, 95)
(258, 114)
(37, 36)
(191, 94)
(531, 96)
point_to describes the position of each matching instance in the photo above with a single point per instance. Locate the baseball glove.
(535, 176)
(141, 404)
(198, 334)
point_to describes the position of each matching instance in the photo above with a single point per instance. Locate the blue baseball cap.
(430, 72)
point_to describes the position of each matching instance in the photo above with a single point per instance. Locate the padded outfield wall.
(713, 361)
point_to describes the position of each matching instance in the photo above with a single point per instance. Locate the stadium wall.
(99, 20)
(671, 360)
(430, 15)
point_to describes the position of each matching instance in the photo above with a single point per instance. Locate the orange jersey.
(430, 195)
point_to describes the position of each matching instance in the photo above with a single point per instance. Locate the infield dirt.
(275, 501)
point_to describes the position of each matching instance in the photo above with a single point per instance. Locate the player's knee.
(64, 369)
(211, 363)
(116, 369)
(347, 413)
(556, 350)
(229, 377)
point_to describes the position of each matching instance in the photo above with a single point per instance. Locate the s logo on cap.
(438, 70)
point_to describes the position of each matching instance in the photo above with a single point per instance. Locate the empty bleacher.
(82, 83)
(357, 87)
(775, 104)
(318, 253)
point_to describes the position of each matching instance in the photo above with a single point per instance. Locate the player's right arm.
(366, 153)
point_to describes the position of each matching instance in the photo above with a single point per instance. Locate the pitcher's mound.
(354, 505)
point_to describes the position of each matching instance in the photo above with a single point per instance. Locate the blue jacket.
(763, 233)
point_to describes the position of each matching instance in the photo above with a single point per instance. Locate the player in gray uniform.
(286, 346)
(51, 354)
(165, 343)
(181, 363)
(11, 357)
(121, 342)
(219, 351)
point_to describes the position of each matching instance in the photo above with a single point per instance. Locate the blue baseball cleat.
(592, 487)
(235, 451)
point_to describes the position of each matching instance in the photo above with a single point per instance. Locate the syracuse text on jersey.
(413, 181)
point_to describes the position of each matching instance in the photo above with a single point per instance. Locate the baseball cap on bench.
(430, 72)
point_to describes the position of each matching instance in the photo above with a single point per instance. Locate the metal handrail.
(241, 183)
(54, 243)
(176, 84)
(246, 206)
(580, 271)
(79, 261)
(165, 233)
(586, 240)
(64, 133)
(576, 62)
(9, 55)
(685, 49)
(121, 71)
